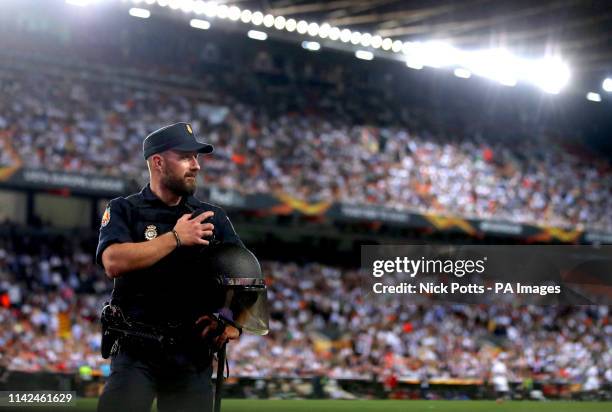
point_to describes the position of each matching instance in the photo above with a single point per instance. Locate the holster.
(117, 329)
(110, 339)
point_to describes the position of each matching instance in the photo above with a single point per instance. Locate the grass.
(239, 405)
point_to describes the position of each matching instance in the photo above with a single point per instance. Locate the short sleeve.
(225, 230)
(114, 227)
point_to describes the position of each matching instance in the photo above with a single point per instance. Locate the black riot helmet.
(241, 287)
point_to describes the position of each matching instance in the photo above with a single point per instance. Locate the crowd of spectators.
(50, 295)
(322, 323)
(74, 125)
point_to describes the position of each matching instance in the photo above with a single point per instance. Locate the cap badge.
(150, 232)
(189, 129)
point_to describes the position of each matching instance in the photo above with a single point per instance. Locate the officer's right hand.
(192, 231)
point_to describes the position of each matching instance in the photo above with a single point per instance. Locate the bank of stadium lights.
(509, 81)
(397, 46)
(345, 36)
(245, 16)
(311, 45)
(140, 13)
(414, 65)
(324, 30)
(594, 97)
(279, 23)
(364, 55)
(334, 34)
(496, 64)
(302, 27)
(549, 74)
(462, 73)
(387, 44)
(431, 54)
(607, 85)
(313, 29)
(291, 25)
(199, 24)
(257, 18)
(366, 40)
(257, 35)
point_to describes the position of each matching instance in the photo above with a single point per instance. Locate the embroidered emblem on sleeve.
(106, 216)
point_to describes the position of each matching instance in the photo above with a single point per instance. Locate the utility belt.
(118, 330)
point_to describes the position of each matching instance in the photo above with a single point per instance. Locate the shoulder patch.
(106, 216)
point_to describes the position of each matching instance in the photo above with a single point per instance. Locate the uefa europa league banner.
(282, 204)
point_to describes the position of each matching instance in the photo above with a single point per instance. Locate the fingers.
(201, 218)
(230, 333)
(210, 326)
(203, 233)
(205, 332)
(207, 226)
(195, 231)
(219, 341)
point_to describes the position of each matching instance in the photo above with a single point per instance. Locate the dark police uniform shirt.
(175, 288)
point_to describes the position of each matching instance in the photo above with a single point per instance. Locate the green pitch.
(240, 405)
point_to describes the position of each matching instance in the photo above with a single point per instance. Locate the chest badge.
(150, 232)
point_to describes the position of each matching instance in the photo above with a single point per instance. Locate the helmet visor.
(246, 304)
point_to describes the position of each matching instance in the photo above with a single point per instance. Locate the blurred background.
(335, 124)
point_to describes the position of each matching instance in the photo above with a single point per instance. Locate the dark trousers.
(135, 380)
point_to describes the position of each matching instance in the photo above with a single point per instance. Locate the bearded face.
(179, 173)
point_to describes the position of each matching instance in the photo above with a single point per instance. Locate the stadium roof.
(579, 31)
(548, 43)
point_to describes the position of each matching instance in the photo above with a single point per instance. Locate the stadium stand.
(322, 324)
(60, 122)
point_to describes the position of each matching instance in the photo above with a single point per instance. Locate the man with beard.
(150, 244)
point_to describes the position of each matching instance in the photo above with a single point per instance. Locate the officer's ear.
(156, 162)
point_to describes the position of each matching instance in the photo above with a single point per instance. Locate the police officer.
(149, 245)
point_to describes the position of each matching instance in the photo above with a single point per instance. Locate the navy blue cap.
(178, 136)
